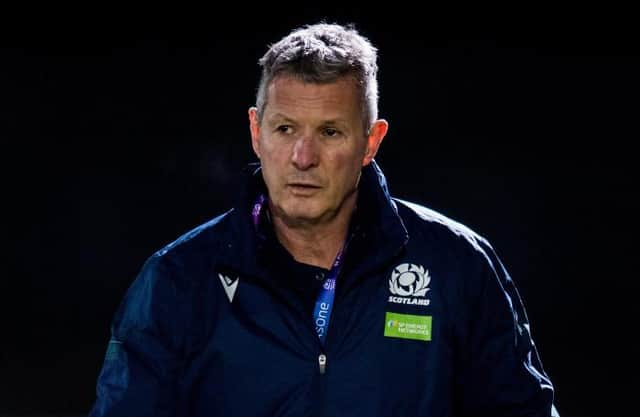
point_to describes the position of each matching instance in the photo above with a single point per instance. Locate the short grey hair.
(323, 53)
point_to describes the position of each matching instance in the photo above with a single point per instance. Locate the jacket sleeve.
(139, 374)
(501, 374)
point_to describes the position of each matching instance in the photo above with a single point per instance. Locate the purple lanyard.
(324, 303)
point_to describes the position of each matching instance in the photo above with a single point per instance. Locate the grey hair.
(323, 53)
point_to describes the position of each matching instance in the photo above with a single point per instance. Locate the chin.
(303, 214)
(297, 212)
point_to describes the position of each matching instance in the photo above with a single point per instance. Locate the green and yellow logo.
(407, 326)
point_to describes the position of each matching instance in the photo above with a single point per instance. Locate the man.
(319, 294)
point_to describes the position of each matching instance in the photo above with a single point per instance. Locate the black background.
(120, 134)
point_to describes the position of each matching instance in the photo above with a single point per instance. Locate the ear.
(376, 134)
(254, 128)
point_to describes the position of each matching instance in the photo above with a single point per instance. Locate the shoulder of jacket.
(201, 237)
(416, 216)
(191, 254)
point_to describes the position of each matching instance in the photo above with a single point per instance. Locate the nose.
(305, 154)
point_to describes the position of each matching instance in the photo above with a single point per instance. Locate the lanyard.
(324, 303)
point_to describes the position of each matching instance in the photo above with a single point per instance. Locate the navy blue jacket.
(426, 323)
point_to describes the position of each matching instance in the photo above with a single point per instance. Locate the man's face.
(312, 146)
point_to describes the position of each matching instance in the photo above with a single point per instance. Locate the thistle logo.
(407, 283)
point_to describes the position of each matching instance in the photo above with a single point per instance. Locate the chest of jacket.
(388, 350)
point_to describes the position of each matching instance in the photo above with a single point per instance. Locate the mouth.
(303, 184)
(303, 188)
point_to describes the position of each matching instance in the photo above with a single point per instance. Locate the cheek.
(276, 152)
(346, 170)
(274, 169)
(269, 158)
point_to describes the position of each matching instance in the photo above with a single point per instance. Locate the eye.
(331, 132)
(284, 129)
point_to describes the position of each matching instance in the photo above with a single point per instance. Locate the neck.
(315, 243)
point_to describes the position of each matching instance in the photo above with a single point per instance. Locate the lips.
(302, 189)
(303, 185)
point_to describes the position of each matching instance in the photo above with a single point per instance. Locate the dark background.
(119, 135)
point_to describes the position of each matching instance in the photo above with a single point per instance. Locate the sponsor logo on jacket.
(409, 284)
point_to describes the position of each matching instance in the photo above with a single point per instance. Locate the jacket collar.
(381, 233)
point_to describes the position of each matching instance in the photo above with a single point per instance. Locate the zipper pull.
(322, 361)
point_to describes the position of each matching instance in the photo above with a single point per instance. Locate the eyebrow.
(280, 116)
(283, 117)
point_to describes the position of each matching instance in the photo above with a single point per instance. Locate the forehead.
(295, 97)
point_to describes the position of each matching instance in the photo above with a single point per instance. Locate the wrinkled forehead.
(292, 96)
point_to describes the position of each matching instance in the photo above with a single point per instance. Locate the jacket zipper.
(322, 362)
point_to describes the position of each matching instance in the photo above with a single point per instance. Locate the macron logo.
(229, 285)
